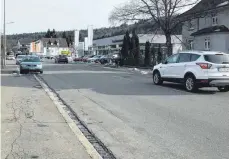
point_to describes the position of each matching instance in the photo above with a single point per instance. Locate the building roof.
(202, 52)
(25, 41)
(158, 38)
(210, 30)
(62, 42)
(115, 40)
(143, 38)
(206, 5)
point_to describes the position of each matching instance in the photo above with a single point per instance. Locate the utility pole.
(1, 50)
(4, 35)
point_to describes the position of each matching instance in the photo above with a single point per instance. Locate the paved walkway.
(10, 67)
(31, 126)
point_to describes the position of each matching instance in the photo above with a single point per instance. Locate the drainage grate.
(104, 152)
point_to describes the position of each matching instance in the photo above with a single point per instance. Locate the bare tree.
(164, 13)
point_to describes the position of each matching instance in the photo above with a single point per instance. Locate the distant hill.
(141, 28)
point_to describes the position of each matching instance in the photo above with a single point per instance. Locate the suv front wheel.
(157, 78)
(223, 89)
(190, 83)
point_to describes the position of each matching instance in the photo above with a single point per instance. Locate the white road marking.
(88, 146)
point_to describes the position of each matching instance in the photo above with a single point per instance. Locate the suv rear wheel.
(223, 89)
(157, 78)
(190, 83)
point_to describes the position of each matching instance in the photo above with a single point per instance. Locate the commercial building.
(114, 44)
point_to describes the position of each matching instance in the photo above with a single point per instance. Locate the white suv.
(195, 69)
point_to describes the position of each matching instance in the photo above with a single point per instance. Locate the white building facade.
(209, 31)
(114, 44)
(50, 46)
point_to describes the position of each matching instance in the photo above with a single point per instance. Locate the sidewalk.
(10, 67)
(31, 126)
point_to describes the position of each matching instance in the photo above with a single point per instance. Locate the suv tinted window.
(217, 58)
(172, 59)
(194, 57)
(184, 58)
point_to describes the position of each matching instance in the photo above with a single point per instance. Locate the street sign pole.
(4, 34)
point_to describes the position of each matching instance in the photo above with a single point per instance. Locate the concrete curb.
(84, 141)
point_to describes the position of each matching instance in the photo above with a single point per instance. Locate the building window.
(190, 44)
(190, 25)
(214, 20)
(206, 20)
(207, 44)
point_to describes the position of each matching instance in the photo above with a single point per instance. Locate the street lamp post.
(3, 56)
(4, 35)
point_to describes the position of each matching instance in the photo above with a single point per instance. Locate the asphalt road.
(136, 119)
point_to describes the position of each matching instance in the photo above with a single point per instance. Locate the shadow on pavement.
(27, 81)
(181, 88)
(116, 85)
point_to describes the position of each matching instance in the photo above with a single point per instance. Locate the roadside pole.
(2, 51)
(4, 35)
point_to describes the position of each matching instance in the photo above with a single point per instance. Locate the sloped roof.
(158, 38)
(62, 41)
(109, 41)
(205, 5)
(143, 38)
(210, 30)
(25, 41)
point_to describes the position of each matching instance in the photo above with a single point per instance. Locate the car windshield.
(31, 59)
(217, 58)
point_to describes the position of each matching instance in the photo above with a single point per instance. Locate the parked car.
(85, 59)
(10, 57)
(31, 63)
(41, 58)
(70, 59)
(104, 59)
(19, 59)
(115, 58)
(195, 69)
(92, 59)
(61, 59)
(79, 59)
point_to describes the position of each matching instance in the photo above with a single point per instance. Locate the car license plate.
(224, 69)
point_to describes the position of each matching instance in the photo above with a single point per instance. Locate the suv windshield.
(217, 58)
(31, 59)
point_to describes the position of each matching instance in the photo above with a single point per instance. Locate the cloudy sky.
(39, 15)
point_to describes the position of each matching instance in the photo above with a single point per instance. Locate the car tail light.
(204, 65)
